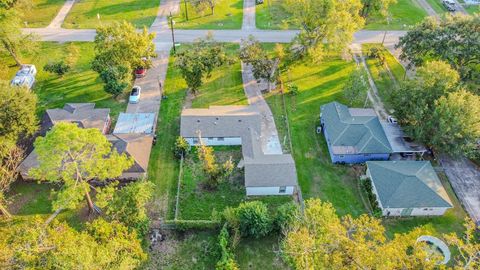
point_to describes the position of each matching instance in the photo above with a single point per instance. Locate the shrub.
(181, 148)
(286, 214)
(367, 185)
(253, 219)
(59, 68)
(115, 79)
(227, 260)
(378, 53)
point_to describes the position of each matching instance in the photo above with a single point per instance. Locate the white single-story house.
(407, 188)
(241, 125)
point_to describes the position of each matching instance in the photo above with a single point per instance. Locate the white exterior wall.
(432, 211)
(217, 141)
(259, 191)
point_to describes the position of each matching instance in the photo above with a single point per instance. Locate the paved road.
(57, 22)
(465, 179)
(269, 137)
(249, 15)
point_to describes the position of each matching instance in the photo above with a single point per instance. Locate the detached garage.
(407, 188)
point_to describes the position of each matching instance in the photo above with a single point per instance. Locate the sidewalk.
(57, 22)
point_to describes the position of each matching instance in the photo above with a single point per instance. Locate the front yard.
(93, 13)
(42, 12)
(227, 14)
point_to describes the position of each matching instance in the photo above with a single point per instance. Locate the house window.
(282, 189)
(221, 139)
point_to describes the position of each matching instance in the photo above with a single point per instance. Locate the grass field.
(42, 12)
(381, 76)
(227, 14)
(437, 6)
(84, 13)
(472, 9)
(404, 14)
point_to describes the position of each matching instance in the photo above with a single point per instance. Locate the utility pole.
(186, 9)
(385, 33)
(173, 35)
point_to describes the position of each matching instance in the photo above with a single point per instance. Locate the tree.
(376, 7)
(75, 156)
(17, 120)
(356, 88)
(325, 25)
(264, 67)
(322, 240)
(201, 5)
(59, 68)
(209, 165)
(181, 148)
(468, 247)
(128, 206)
(286, 216)
(196, 64)
(253, 219)
(103, 245)
(12, 40)
(449, 39)
(456, 121)
(116, 79)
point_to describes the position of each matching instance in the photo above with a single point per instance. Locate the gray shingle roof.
(245, 122)
(84, 114)
(407, 184)
(354, 131)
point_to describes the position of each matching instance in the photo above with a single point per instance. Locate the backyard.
(93, 13)
(227, 15)
(42, 12)
(404, 14)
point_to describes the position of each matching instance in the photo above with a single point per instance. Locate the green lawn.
(472, 9)
(272, 15)
(42, 12)
(227, 14)
(437, 6)
(81, 84)
(404, 14)
(84, 13)
(383, 81)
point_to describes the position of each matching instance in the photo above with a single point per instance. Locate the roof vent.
(198, 121)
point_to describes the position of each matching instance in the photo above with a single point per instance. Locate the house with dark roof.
(407, 188)
(137, 146)
(85, 115)
(265, 174)
(353, 135)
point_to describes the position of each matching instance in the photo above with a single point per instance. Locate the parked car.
(23, 81)
(392, 120)
(135, 94)
(27, 70)
(140, 72)
(450, 5)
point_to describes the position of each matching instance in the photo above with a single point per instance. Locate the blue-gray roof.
(407, 184)
(360, 133)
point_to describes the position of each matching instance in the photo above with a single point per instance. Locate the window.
(282, 189)
(221, 139)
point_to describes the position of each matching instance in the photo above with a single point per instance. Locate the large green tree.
(198, 63)
(372, 7)
(325, 25)
(74, 156)
(12, 40)
(454, 39)
(36, 245)
(426, 108)
(17, 120)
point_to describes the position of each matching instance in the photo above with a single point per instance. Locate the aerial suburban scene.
(240, 134)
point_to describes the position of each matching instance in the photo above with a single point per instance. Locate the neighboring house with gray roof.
(241, 125)
(407, 188)
(353, 135)
(83, 114)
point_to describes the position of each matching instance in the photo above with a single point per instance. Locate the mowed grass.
(472, 9)
(318, 177)
(227, 14)
(224, 86)
(81, 84)
(84, 13)
(42, 12)
(380, 73)
(273, 15)
(404, 14)
(437, 6)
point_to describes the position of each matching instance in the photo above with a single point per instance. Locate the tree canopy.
(74, 156)
(372, 7)
(325, 25)
(454, 39)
